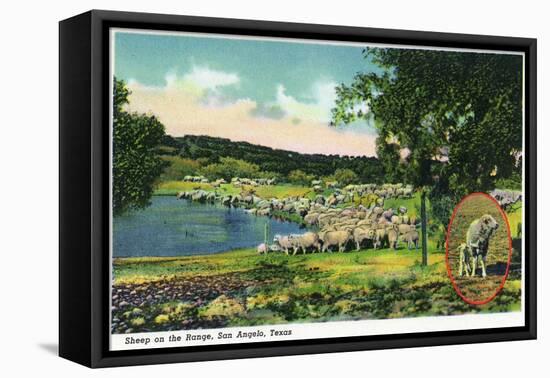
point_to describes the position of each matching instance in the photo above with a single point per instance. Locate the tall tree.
(448, 122)
(136, 164)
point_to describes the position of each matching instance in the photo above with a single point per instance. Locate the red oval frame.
(450, 274)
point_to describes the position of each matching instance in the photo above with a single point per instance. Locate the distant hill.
(205, 147)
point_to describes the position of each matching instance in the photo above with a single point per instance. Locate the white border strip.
(110, 148)
(306, 41)
(301, 331)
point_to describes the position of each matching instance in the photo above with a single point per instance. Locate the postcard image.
(271, 189)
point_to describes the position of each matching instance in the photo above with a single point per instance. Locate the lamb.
(465, 257)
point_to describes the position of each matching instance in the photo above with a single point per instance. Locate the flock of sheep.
(506, 198)
(341, 229)
(237, 181)
(348, 217)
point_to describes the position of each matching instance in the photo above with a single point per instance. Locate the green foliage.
(447, 121)
(366, 200)
(345, 176)
(229, 167)
(511, 183)
(394, 168)
(442, 201)
(120, 96)
(466, 106)
(178, 168)
(136, 165)
(300, 177)
(209, 150)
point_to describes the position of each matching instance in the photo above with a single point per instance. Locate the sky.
(274, 93)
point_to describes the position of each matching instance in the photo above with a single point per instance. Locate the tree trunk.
(424, 221)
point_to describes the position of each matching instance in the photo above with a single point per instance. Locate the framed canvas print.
(233, 188)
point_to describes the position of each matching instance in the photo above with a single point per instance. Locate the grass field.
(244, 288)
(171, 188)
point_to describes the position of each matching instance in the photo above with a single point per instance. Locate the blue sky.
(176, 77)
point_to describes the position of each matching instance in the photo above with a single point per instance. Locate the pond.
(172, 227)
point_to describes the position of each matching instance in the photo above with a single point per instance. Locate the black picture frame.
(84, 187)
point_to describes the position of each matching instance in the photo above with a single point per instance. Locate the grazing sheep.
(380, 238)
(388, 214)
(376, 212)
(365, 222)
(362, 234)
(405, 228)
(311, 218)
(305, 241)
(325, 219)
(262, 249)
(411, 238)
(264, 212)
(284, 242)
(335, 238)
(477, 238)
(393, 235)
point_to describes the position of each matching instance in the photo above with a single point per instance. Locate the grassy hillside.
(210, 149)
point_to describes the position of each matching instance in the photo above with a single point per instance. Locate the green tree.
(299, 177)
(136, 164)
(345, 176)
(446, 120)
(177, 168)
(228, 168)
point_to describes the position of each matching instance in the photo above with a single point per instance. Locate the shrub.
(300, 177)
(223, 306)
(228, 168)
(178, 168)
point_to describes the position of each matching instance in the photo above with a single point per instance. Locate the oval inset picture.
(479, 248)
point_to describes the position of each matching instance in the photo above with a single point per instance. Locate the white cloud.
(206, 78)
(323, 97)
(200, 83)
(325, 94)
